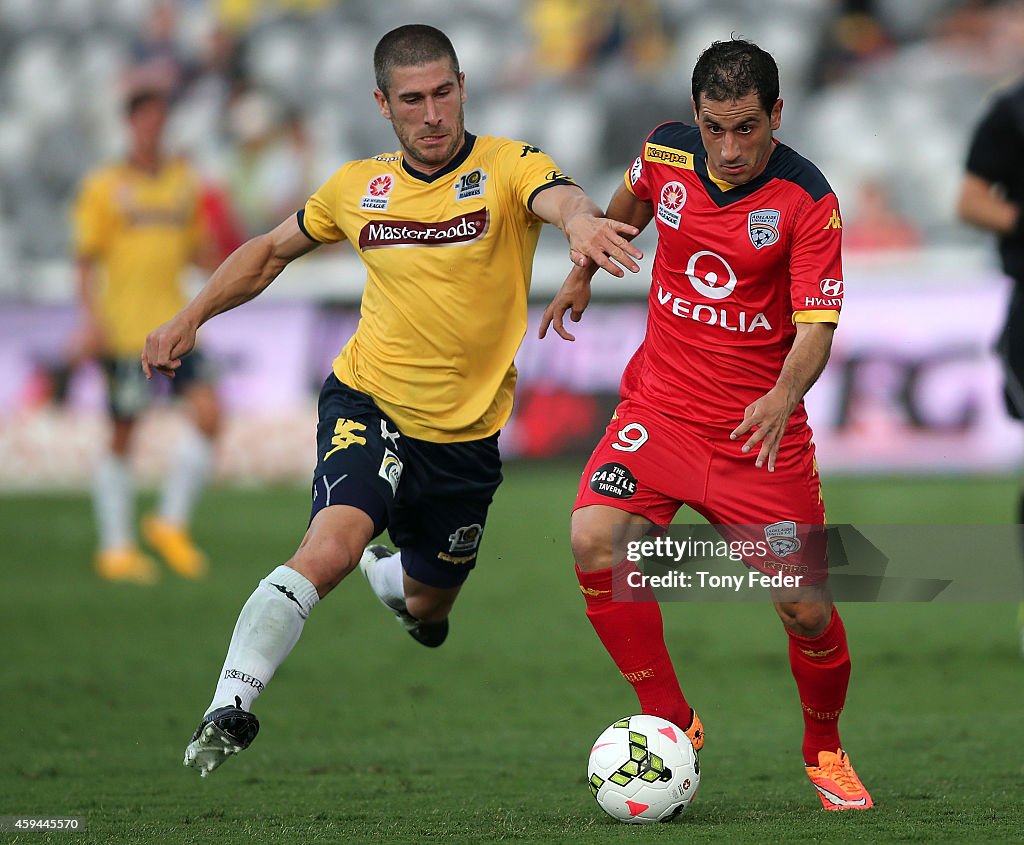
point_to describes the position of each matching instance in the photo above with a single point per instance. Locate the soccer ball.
(643, 769)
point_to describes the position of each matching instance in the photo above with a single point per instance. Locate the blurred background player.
(992, 198)
(409, 419)
(712, 413)
(137, 228)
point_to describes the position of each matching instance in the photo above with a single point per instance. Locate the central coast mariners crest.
(781, 536)
(763, 227)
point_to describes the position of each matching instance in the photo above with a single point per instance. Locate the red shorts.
(651, 465)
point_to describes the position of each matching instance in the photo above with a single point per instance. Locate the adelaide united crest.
(763, 227)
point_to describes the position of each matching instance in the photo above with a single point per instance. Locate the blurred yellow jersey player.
(448, 261)
(137, 229)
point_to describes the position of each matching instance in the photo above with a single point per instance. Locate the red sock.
(633, 635)
(821, 667)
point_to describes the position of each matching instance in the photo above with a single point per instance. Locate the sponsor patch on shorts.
(614, 481)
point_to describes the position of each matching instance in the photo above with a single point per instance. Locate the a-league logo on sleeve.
(636, 171)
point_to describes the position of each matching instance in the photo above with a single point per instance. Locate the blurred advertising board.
(913, 386)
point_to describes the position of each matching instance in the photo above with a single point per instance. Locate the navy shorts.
(432, 497)
(129, 392)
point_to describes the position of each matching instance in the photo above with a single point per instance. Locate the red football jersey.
(733, 271)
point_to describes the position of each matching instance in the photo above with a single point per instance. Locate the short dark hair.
(729, 70)
(409, 45)
(143, 97)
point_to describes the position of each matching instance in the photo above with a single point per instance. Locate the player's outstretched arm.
(591, 235)
(243, 275)
(768, 416)
(574, 295)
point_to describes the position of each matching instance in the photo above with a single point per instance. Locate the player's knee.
(428, 608)
(805, 619)
(206, 412)
(325, 561)
(591, 545)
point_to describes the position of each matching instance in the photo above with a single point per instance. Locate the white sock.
(268, 627)
(113, 495)
(385, 578)
(190, 469)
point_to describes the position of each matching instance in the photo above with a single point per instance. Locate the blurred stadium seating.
(883, 90)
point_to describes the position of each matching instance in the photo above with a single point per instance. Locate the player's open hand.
(574, 296)
(166, 345)
(604, 242)
(767, 418)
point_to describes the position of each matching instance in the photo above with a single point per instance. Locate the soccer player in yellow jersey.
(137, 227)
(409, 418)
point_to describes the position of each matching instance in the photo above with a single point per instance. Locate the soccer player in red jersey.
(746, 293)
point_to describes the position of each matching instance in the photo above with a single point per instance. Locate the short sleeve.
(92, 218)
(530, 170)
(635, 179)
(815, 264)
(319, 217)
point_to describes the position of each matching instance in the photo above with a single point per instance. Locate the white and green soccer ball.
(643, 769)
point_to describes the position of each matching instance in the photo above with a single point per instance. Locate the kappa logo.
(390, 436)
(377, 191)
(763, 227)
(591, 591)
(781, 536)
(470, 185)
(669, 156)
(345, 435)
(835, 221)
(527, 149)
(673, 198)
(556, 176)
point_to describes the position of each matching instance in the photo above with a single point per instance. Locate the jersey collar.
(460, 157)
(723, 198)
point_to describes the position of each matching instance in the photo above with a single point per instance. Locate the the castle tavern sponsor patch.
(613, 480)
(377, 191)
(763, 227)
(465, 228)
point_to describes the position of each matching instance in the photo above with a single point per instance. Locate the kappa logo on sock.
(288, 593)
(245, 678)
(590, 591)
(825, 652)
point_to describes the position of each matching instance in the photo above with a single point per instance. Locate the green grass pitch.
(367, 737)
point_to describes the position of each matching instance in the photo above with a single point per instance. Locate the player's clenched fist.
(165, 347)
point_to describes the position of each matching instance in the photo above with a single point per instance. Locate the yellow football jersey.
(448, 261)
(142, 229)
